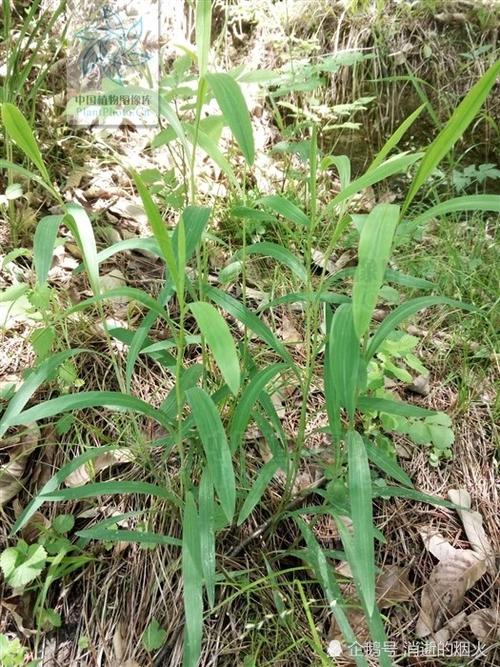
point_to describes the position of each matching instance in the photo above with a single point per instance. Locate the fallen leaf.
(85, 473)
(322, 261)
(473, 526)
(113, 280)
(420, 385)
(76, 177)
(453, 626)
(11, 473)
(443, 594)
(131, 210)
(289, 333)
(393, 586)
(436, 544)
(485, 624)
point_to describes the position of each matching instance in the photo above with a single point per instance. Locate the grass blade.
(88, 399)
(43, 245)
(158, 226)
(324, 574)
(18, 129)
(106, 535)
(374, 250)
(215, 445)
(368, 404)
(5, 164)
(395, 138)
(344, 358)
(387, 464)
(460, 120)
(208, 145)
(203, 33)
(207, 535)
(79, 223)
(149, 244)
(258, 489)
(465, 203)
(234, 109)
(249, 397)
(219, 339)
(402, 313)
(280, 254)
(240, 312)
(394, 165)
(360, 494)
(55, 481)
(105, 489)
(286, 208)
(34, 380)
(192, 583)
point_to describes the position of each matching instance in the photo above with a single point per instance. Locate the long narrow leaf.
(374, 250)
(244, 315)
(203, 32)
(460, 120)
(34, 380)
(192, 583)
(360, 494)
(344, 358)
(55, 481)
(280, 254)
(207, 535)
(258, 489)
(403, 312)
(249, 397)
(220, 341)
(368, 404)
(395, 138)
(286, 208)
(158, 226)
(216, 447)
(81, 227)
(234, 109)
(387, 464)
(465, 203)
(43, 245)
(18, 129)
(88, 399)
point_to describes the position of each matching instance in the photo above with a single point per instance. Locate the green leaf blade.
(360, 493)
(218, 336)
(373, 254)
(234, 109)
(216, 447)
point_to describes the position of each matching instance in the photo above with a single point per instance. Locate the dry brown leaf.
(16, 612)
(485, 624)
(114, 280)
(322, 261)
(289, 333)
(453, 626)
(85, 473)
(473, 526)
(436, 544)
(76, 177)
(12, 472)
(132, 210)
(393, 586)
(443, 595)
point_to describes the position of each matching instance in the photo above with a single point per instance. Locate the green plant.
(12, 654)
(211, 406)
(36, 566)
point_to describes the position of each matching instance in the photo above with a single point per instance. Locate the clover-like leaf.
(154, 636)
(22, 564)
